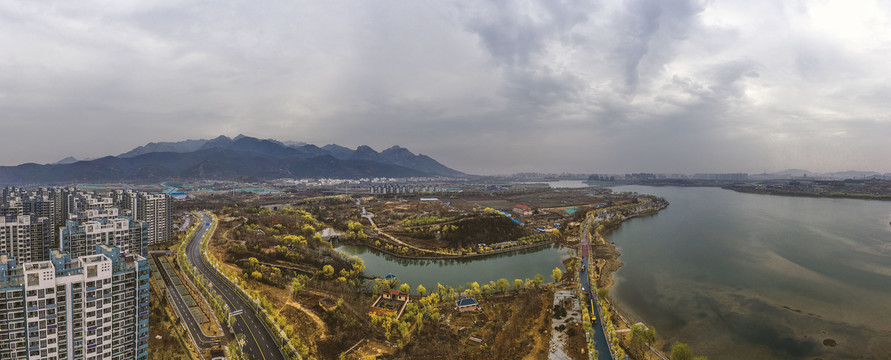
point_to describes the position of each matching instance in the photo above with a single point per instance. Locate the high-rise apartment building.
(90, 307)
(155, 209)
(26, 237)
(80, 235)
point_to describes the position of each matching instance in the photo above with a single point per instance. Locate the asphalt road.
(600, 343)
(259, 343)
(203, 341)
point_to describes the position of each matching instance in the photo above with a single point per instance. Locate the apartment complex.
(79, 237)
(33, 221)
(89, 307)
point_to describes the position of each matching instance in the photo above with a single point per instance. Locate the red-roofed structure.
(390, 302)
(524, 210)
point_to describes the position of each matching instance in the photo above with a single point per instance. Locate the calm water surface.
(561, 184)
(514, 265)
(745, 276)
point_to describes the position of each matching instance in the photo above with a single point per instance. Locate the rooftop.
(92, 259)
(466, 302)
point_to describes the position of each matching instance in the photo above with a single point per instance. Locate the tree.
(474, 289)
(421, 290)
(501, 285)
(641, 335)
(557, 274)
(681, 351)
(257, 275)
(403, 330)
(328, 271)
(405, 288)
(539, 278)
(518, 284)
(298, 284)
(381, 285)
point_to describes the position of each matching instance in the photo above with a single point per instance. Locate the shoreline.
(604, 277)
(748, 190)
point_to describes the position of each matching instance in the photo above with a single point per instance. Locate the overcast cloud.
(483, 86)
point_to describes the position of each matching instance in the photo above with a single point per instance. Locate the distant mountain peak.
(397, 152)
(67, 160)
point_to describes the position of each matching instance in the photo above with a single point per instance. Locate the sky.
(485, 87)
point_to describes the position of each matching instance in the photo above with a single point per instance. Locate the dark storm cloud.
(485, 86)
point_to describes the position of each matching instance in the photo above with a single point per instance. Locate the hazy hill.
(180, 147)
(229, 158)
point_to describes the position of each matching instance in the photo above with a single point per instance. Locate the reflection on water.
(742, 276)
(520, 264)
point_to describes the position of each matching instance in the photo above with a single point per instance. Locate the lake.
(521, 264)
(561, 184)
(746, 276)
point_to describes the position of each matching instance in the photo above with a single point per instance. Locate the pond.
(520, 264)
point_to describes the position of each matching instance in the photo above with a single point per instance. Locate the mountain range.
(242, 157)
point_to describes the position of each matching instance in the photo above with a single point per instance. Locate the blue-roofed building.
(468, 304)
(180, 195)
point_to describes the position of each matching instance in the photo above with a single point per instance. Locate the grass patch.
(198, 314)
(190, 302)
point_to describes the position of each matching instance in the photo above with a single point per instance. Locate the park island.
(511, 273)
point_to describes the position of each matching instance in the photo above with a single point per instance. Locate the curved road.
(259, 343)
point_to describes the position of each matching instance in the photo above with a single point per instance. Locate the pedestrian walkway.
(566, 299)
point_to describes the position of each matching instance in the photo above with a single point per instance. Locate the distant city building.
(723, 177)
(91, 307)
(404, 189)
(640, 176)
